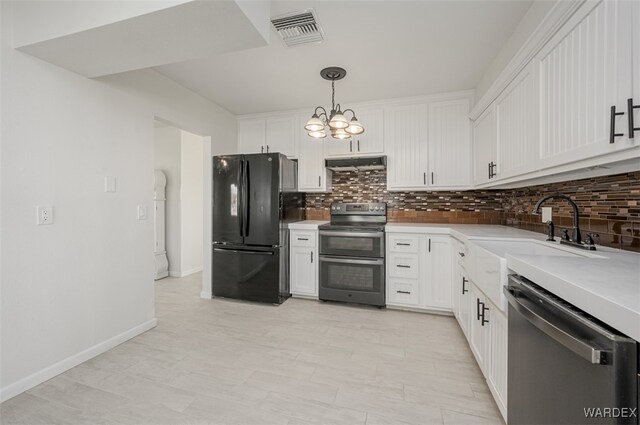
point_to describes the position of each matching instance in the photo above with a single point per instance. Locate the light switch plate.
(45, 215)
(109, 184)
(142, 212)
(546, 214)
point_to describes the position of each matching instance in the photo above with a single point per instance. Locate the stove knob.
(376, 208)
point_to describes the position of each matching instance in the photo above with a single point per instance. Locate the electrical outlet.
(142, 212)
(546, 214)
(45, 214)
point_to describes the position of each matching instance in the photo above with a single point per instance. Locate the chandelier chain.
(333, 95)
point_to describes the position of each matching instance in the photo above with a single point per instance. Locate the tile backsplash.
(609, 206)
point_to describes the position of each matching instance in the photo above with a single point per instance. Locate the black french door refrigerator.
(254, 198)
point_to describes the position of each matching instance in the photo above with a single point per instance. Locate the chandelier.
(338, 125)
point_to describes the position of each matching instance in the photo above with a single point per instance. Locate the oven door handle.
(592, 354)
(379, 261)
(352, 234)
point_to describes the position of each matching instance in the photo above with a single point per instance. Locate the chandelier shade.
(314, 124)
(354, 127)
(336, 121)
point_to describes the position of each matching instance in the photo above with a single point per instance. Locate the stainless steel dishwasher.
(564, 366)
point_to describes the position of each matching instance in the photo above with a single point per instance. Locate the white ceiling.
(389, 49)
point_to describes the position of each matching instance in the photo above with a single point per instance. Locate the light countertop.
(606, 285)
(306, 224)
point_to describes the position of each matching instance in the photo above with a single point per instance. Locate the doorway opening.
(179, 158)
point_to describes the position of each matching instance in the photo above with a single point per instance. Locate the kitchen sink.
(528, 247)
(487, 262)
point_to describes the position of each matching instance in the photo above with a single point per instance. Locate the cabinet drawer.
(303, 238)
(403, 242)
(403, 291)
(403, 265)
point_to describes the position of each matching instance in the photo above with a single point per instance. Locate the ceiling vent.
(298, 28)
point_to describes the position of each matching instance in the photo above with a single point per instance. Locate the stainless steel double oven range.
(352, 254)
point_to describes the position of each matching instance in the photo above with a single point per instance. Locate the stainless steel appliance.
(254, 197)
(564, 366)
(352, 254)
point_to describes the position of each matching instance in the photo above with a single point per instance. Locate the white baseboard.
(47, 373)
(207, 295)
(186, 273)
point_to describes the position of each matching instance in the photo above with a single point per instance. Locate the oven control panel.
(371, 208)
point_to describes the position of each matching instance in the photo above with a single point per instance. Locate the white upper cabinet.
(264, 135)
(636, 71)
(369, 142)
(449, 144)
(517, 121)
(585, 69)
(485, 143)
(313, 176)
(406, 134)
(281, 133)
(252, 135)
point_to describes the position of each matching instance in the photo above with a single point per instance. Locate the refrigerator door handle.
(244, 252)
(246, 188)
(239, 195)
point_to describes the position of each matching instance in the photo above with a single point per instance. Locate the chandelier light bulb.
(340, 134)
(318, 134)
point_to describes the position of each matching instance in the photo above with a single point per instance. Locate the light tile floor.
(304, 362)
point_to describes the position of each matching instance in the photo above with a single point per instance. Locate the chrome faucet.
(576, 238)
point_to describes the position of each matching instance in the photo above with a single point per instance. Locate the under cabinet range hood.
(356, 164)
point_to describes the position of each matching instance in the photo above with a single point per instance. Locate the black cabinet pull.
(358, 145)
(350, 145)
(464, 290)
(489, 169)
(484, 309)
(424, 178)
(478, 308)
(612, 126)
(403, 244)
(319, 181)
(630, 108)
(432, 177)
(303, 239)
(429, 244)
(261, 149)
(403, 292)
(267, 148)
(403, 266)
(492, 172)
(311, 256)
(461, 254)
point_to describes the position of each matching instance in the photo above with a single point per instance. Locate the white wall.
(180, 155)
(75, 288)
(167, 158)
(191, 202)
(521, 33)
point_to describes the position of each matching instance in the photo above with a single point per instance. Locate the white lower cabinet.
(419, 271)
(303, 263)
(487, 336)
(479, 335)
(497, 371)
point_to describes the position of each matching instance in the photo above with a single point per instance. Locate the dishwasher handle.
(595, 355)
